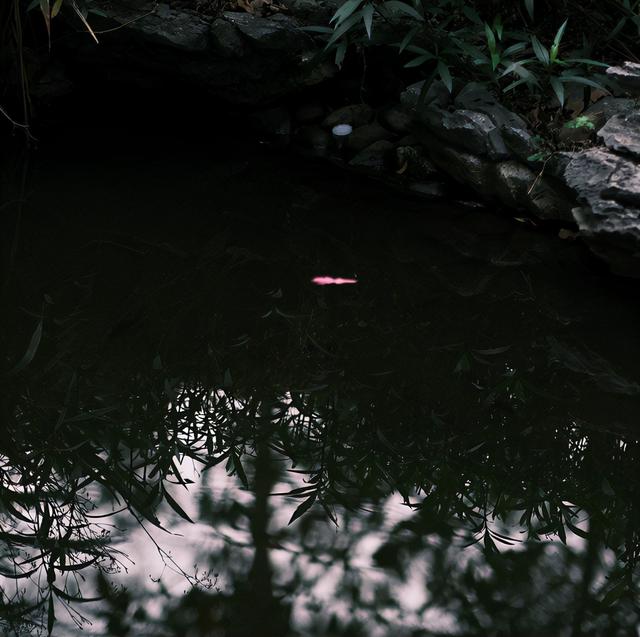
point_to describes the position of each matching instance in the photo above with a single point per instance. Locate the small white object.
(342, 130)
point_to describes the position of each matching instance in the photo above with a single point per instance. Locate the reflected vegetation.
(197, 441)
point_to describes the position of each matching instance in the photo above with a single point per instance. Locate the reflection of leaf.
(463, 365)
(615, 593)
(237, 465)
(51, 616)
(584, 361)
(606, 488)
(303, 508)
(465, 292)
(489, 545)
(31, 351)
(493, 351)
(176, 507)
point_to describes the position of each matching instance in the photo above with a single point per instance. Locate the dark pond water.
(457, 432)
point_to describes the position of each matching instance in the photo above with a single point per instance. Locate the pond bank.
(425, 144)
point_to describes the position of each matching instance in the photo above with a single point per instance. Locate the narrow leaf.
(31, 351)
(367, 16)
(395, 6)
(176, 507)
(445, 76)
(303, 508)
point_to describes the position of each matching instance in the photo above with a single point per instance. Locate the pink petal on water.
(329, 280)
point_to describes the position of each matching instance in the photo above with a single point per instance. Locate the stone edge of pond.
(428, 140)
(474, 141)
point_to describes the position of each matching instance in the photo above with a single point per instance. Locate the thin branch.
(13, 121)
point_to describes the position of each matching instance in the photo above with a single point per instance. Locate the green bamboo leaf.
(576, 79)
(558, 89)
(472, 15)
(445, 76)
(514, 48)
(588, 62)
(540, 51)
(421, 59)
(560, 33)
(530, 6)
(407, 39)
(343, 28)
(345, 11)
(341, 51)
(57, 5)
(491, 38)
(367, 16)
(395, 6)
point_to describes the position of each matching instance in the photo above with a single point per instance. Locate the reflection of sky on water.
(196, 548)
(461, 313)
(193, 544)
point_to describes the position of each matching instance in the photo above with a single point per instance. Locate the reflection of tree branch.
(13, 121)
(582, 593)
(204, 580)
(260, 574)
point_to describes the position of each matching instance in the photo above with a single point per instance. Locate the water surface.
(457, 431)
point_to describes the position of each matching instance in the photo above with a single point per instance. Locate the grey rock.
(520, 142)
(414, 164)
(374, 158)
(437, 94)
(226, 40)
(551, 202)
(353, 114)
(277, 33)
(513, 183)
(605, 108)
(497, 147)
(606, 182)
(314, 139)
(429, 190)
(513, 130)
(469, 130)
(312, 72)
(397, 119)
(474, 95)
(366, 135)
(622, 134)
(239, 58)
(627, 76)
(465, 168)
(570, 133)
(163, 10)
(177, 29)
(556, 164)
(307, 113)
(520, 188)
(274, 122)
(608, 189)
(52, 84)
(312, 11)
